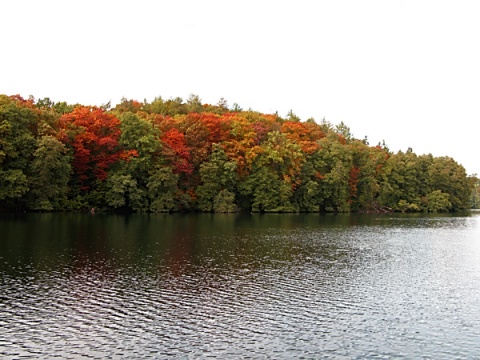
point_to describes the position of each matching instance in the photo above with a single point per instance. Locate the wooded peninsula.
(175, 155)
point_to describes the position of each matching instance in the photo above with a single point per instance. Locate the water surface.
(239, 286)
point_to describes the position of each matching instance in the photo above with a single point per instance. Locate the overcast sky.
(407, 72)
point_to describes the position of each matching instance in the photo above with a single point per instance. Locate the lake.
(236, 286)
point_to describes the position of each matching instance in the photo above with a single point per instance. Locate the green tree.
(217, 174)
(123, 192)
(163, 191)
(274, 175)
(344, 131)
(169, 107)
(194, 104)
(13, 184)
(405, 177)
(140, 135)
(51, 171)
(126, 186)
(475, 193)
(225, 202)
(18, 129)
(450, 177)
(364, 175)
(291, 116)
(326, 177)
(437, 201)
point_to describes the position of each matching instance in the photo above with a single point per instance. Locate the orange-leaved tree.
(93, 136)
(176, 151)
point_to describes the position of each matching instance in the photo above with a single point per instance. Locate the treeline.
(172, 155)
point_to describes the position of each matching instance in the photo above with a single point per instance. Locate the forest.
(187, 156)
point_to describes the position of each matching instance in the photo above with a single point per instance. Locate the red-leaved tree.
(93, 135)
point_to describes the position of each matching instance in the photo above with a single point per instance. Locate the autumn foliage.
(176, 151)
(171, 155)
(93, 136)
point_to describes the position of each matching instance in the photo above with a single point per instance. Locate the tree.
(236, 107)
(51, 172)
(126, 186)
(475, 193)
(132, 106)
(331, 175)
(274, 175)
(142, 137)
(194, 104)
(223, 103)
(225, 202)
(218, 175)
(169, 107)
(240, 141)
(123, 192)
(291, 116)
(176, 151)
(330, 168)
(404, 176)
(176, 156)
(344, 131)
(13, 184)
(163, 192)
(93, 136)
(304, 134)
(367, 163)
(18, 129)
(448, 176)
(437, 201)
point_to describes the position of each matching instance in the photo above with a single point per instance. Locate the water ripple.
(399, 291)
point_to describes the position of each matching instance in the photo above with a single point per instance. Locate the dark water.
(230, 286)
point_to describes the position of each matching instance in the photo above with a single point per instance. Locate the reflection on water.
(236, 286)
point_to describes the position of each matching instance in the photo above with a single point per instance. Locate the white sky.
(407, 72)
